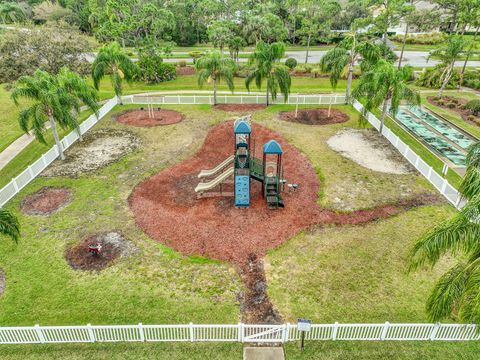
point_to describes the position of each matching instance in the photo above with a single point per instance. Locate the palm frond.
(9, 225)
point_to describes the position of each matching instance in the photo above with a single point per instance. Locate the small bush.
(472, 79)
(196, 55)
(432, 78)
(454, 100)
(422, 39)
(441, 102)
(316, 72)
(451, 105)
(181, 63)
(291, 63)
(474, 107)
(471, 118)
(154, 70)
(308, 68)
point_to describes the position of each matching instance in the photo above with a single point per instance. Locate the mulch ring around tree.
(144, 118)
(454, 104)
(240, 107)
(3, 281)
(315, 116)
(46, 201)
(111, 245)
(166, 208)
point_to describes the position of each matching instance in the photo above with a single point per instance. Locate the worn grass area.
(345, 185)
(158, 286)
(376, 350)
(355, 273)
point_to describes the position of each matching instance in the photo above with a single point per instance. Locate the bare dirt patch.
(113, 245)
(3, 281)
(255, 306)
(142, 117)
(369, 149)
(315, 116)
(185, 70)
(97, 150)
(240, 107)
(455, 104)
(165, 207)
(46, 201)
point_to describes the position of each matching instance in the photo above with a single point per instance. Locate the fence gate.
(264, 333)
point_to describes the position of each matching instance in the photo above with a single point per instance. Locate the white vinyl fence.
(438, 181)
(245, 333)
(33, 170)
(313, 99)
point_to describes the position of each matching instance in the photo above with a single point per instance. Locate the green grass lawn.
(327, 274)
(9, 129)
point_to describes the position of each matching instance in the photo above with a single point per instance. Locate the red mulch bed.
(315, 116)
(240, 107)
(185, 70)
(113, 246)
(166, 208)
(141, 118)
(464, 113)
(46, 201)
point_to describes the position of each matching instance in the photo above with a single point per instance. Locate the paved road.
(414, 58)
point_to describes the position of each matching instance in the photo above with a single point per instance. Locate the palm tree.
(384, 83)
(55, 99)
(9, 225)
(11, 13)
(112, 60)
(236, 44)
(265, 60)
(340, 61)
(214, 67)
(457, 292)
(448, 54)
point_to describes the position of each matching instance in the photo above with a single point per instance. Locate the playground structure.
(244, 166)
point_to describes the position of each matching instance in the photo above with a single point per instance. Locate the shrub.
(316, 72)
(472, 79)
(432, 78)
(182, 63)
(154, 70)
(441, 102)
(196, 55)
(291, 63)
(308, 68)
(474, 107)
(451, 105)
(471, 118)
(422, 39)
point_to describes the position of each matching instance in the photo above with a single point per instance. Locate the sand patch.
(97, 150)
(369, 149)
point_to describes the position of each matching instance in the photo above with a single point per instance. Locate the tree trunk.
(53, 126)
(384, 112)
(403, 46)
(214, 91)
(267, 94)
(448, 75)
(308, 48)
(349, 82)
(468, 56)
(123, 43)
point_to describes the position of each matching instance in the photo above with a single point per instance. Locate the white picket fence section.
(244, 333)
(313, 99)
(438, 181)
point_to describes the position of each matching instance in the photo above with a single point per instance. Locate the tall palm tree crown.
(112, 60)
(213, 66)
(56, 98)
(448, 54)
(457, 292)
(340, 61)
(383, 84)
(9, 225)
(265, 61)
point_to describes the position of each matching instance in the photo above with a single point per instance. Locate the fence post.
(91, 334)
(192, 336)
(140, 330)
(444, 186)
(384, 330)
(30, 171)
(195, 99)
(334, 332)
(15, 185)
(240, 332)
(178, 99)
(285, 332)
(434, 331)
(241, 99)
(39, 332)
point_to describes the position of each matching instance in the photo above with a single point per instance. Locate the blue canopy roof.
(272, 147)
(242, 127)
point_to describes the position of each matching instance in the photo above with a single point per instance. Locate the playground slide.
(216, 169)
(217, 181)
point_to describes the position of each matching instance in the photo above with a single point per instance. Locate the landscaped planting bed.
(46, 201)
(457, 105)
(315, 116)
